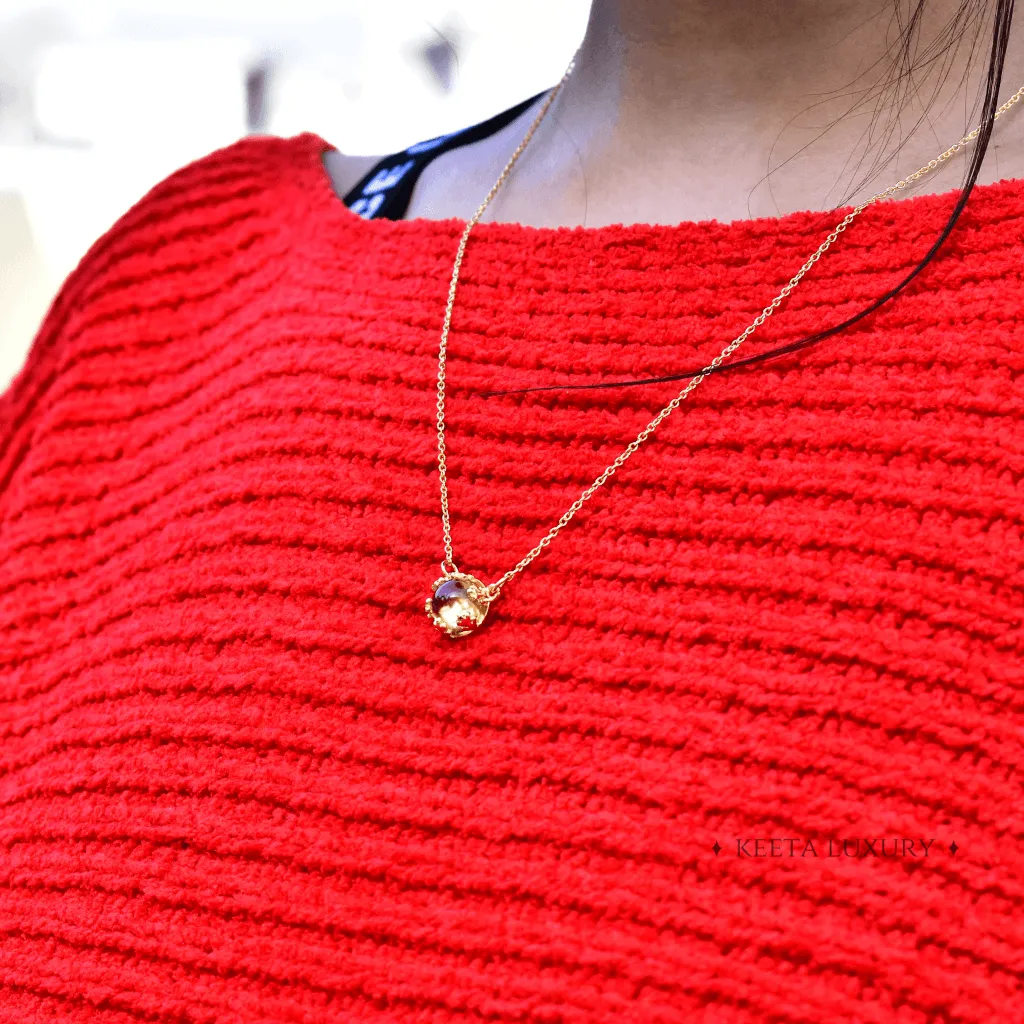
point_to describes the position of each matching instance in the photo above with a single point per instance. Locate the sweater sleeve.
(20, 403)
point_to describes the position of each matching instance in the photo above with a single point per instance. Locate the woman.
(739, 744)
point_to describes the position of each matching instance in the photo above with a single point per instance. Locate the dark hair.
(1002, 17)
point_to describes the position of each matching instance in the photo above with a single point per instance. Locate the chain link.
(492, 590)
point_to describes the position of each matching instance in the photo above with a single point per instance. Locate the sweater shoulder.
(250, 182)
(206, 227)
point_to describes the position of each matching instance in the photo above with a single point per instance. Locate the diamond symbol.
(953, 847)
(716, 848)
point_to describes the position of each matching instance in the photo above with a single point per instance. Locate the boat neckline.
(328, 203)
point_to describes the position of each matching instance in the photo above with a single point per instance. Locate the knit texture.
(243, 779)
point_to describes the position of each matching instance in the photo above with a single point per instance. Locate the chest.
(272, 480)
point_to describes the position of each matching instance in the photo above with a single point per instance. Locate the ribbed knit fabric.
(242, 778)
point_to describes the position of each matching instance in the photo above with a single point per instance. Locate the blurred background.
(100, 99)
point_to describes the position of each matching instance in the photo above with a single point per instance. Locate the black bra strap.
(385, 191)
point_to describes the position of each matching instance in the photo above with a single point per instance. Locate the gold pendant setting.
(457, 606)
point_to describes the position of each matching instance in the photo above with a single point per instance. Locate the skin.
(677, 110)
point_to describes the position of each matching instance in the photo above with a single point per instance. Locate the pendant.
(456, 606)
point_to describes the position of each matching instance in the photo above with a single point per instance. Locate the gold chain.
(492, 590)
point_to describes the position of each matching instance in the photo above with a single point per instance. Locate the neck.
(731, 50)
(730, 108)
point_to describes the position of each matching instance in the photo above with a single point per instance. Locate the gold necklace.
(459, 601)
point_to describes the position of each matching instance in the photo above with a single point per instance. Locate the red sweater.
(741, 746)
